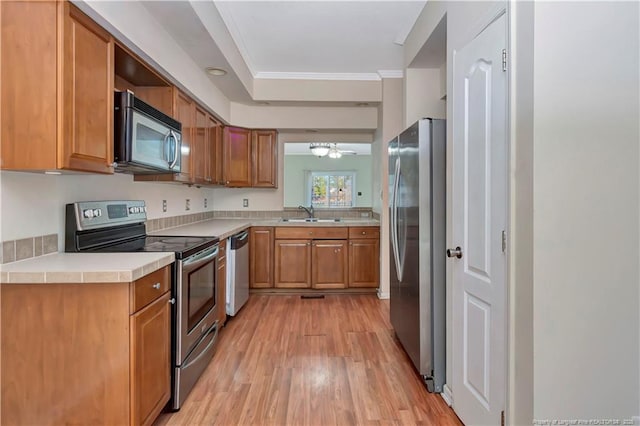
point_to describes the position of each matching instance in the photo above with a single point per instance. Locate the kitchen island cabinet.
(86, 353)
(57, 89)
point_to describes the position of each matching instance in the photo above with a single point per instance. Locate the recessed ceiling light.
(215, 71)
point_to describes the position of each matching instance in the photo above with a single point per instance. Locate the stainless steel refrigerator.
(417, 238)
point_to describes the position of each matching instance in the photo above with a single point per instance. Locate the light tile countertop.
(127, 267)
(223, 228)
(84, 268)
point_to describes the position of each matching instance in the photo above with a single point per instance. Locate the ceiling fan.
(323, 149)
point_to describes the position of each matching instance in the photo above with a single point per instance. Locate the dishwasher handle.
(239, 240)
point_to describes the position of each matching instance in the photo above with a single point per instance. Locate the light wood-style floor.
(289, 361)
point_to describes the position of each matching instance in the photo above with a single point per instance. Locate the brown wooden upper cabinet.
(200, 147)
(215, 134)
(237, 156)
(201, 153)
(250, 157)
(264, 151)
(57, 89)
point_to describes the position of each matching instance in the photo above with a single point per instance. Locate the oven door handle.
(193, 262)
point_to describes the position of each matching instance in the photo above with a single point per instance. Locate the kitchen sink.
(310, 220)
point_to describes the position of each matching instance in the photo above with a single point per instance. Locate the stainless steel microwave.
(146, 141)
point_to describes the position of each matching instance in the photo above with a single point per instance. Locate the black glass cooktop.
(181, 246)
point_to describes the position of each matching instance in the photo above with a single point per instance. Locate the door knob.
(456, 252)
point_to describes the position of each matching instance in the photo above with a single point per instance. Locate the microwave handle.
(176, 150)
(165, 147)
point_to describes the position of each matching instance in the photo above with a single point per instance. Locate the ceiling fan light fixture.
(334, 152)
(319, 149)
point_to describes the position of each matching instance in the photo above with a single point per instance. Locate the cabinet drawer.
(364, 232)
(149, 288)
(311, 233)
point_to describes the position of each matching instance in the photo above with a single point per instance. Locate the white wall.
(265, 89)
(521, 362)
(295, 181)
(304, 117)
(422, 88)
(586, 210)
(574, 219)
(33, 204)
(132, 23)
(463, 23)
(392, 125)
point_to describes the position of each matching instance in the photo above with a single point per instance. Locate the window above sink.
(348, 178)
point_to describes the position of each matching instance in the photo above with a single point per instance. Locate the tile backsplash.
(27, 248)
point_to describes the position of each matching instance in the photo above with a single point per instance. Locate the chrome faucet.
(308, 210)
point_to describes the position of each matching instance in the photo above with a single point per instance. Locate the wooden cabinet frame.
(57, 89)
(84, 353)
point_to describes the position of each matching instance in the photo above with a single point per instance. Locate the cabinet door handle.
(172, 300)
(156, 286)
(364, 233)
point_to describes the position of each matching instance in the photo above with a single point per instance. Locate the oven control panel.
(102, 214)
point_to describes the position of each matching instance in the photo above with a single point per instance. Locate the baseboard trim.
(447, 395)
(383, 294)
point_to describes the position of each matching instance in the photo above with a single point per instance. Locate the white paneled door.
(479, 219)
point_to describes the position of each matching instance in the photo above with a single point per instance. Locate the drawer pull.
(156, 286)
(364, 232)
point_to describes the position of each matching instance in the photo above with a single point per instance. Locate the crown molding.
(317, 76)
(235, 34)
(391, 73)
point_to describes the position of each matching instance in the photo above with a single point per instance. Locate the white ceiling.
(336, 37)
(296, 39)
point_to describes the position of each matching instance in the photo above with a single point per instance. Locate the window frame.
(309, 186)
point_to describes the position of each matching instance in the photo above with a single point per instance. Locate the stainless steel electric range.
(118, 226)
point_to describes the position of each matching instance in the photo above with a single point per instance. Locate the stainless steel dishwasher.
(237, 272)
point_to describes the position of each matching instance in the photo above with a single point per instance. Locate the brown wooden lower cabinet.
(150, 358)
(321, 258)
(85, 353)
(292, 264)
(364, 263)
(329, 265)
(261, 257)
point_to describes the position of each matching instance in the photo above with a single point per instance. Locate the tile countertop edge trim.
(86, 277)
(234, 228)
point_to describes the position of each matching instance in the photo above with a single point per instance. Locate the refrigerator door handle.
(394, 222)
